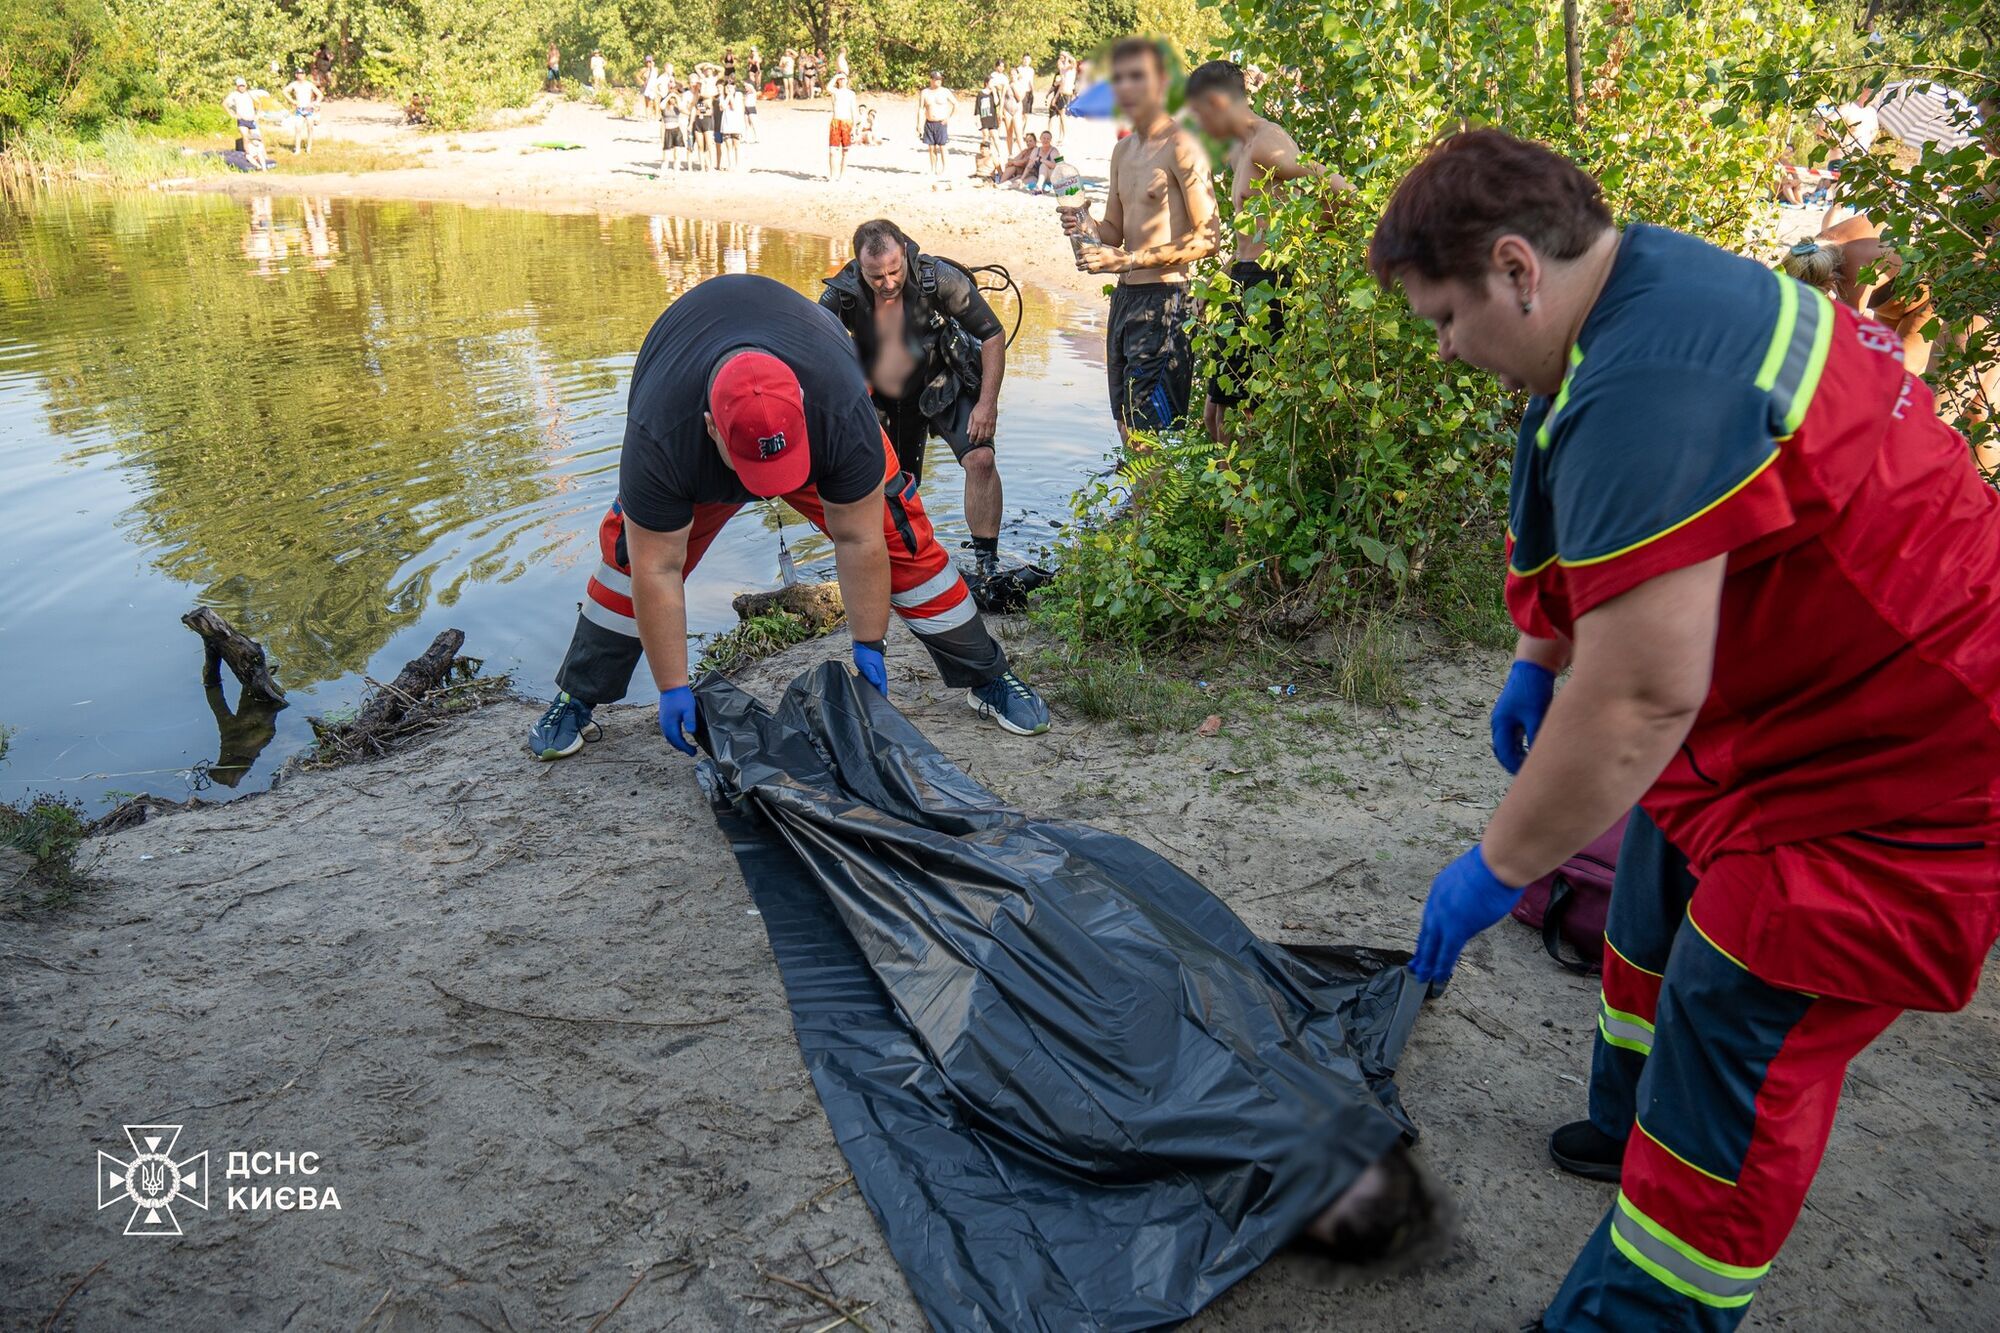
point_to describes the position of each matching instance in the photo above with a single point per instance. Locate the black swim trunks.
(909, 430)
(937, 133)
(1147, 356)
(1230, 384)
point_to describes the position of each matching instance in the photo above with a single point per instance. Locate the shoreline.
(613, 170)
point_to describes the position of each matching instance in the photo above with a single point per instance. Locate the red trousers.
(1733, 1001)
(925, 589)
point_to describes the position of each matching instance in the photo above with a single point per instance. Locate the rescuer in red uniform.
(1774, 577)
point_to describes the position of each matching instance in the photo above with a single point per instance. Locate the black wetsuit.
(946, 323)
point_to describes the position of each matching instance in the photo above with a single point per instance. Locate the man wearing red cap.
(746, 390)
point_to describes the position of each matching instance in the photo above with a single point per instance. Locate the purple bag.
(1571, 902)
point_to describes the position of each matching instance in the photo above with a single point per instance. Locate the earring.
(1527, 307)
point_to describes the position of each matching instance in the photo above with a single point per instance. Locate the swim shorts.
(1245, 274)
(937, 133)
(1147, 357)
(989, 122)
(840, 134)
(672, 138)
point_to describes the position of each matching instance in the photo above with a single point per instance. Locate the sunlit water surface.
(347, 426)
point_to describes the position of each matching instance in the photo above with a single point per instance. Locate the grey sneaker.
(563, 730)
(1012, 702)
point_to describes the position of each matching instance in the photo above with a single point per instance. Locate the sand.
(527, 1017)
(782, 181)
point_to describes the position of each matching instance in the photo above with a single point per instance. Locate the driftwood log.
(223, 642)
(818, 604)
(386, 706)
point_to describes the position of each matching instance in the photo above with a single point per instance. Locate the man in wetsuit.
(745, 390)
(1159, 219)
(935, 356)
(1261, 155)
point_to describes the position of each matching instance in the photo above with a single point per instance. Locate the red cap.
(761, 411)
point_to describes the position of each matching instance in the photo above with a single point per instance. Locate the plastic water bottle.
(1064, 180)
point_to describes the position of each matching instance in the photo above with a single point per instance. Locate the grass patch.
(44, 832)
(759, 636)
(121, 156)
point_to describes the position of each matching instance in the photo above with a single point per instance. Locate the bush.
(68, 63)
(1362, 471)
(1937, 209)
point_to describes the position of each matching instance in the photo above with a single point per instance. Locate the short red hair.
(1472, 189)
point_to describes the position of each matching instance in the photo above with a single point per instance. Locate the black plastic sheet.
(1075, 1090)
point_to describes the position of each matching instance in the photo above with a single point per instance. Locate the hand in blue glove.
(868, 661)
(1465, 899)
(677, 717)
(1518, 712)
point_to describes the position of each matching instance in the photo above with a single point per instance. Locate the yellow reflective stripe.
(1562, 398)
(1668, 532)
(1699, 1170)
(1624, 1017)
(1815, 364)
(1781, 337)
(1628, 962)
(1734, 1272)
(1625, 1043)
(1673, 1281)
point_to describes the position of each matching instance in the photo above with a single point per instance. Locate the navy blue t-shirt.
(670, 464)
(1684, 378)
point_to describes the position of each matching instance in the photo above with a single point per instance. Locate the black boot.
(1582, 1149)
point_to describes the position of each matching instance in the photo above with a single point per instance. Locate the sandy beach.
(781, 181)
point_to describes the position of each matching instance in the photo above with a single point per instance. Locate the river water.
(349, 425)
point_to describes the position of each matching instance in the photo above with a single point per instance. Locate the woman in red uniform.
(1774, 578)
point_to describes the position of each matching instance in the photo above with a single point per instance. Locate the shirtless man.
(1261, 156)
(305, 98)
(935, 107)
(1158, 221)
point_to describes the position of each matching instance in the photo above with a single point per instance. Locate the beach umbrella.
(1094, 102)
(1920, 112)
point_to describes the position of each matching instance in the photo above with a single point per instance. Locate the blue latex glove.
(677, 717)
(1518, 712)
(868, 661)
(1465, 899)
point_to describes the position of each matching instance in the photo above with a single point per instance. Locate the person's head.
(1817, 264)
(649, 60)
(880, 252)
(1139, 78)
(937, 78)
(1485, 234)
(1220, 99)
(1048, 140)
(242, 83)
(757, 418)
(839, 81)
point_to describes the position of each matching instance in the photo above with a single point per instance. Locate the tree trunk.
(818, 604)
(222, 643)
(387, 705)
(1572, 62)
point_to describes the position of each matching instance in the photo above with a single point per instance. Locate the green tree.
(71, 63)
(1364, 471)
(1939, 209)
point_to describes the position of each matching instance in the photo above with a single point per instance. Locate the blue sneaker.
(563, 729)
(1011, 702)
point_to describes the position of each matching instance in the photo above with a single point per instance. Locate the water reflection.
(336, 422)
